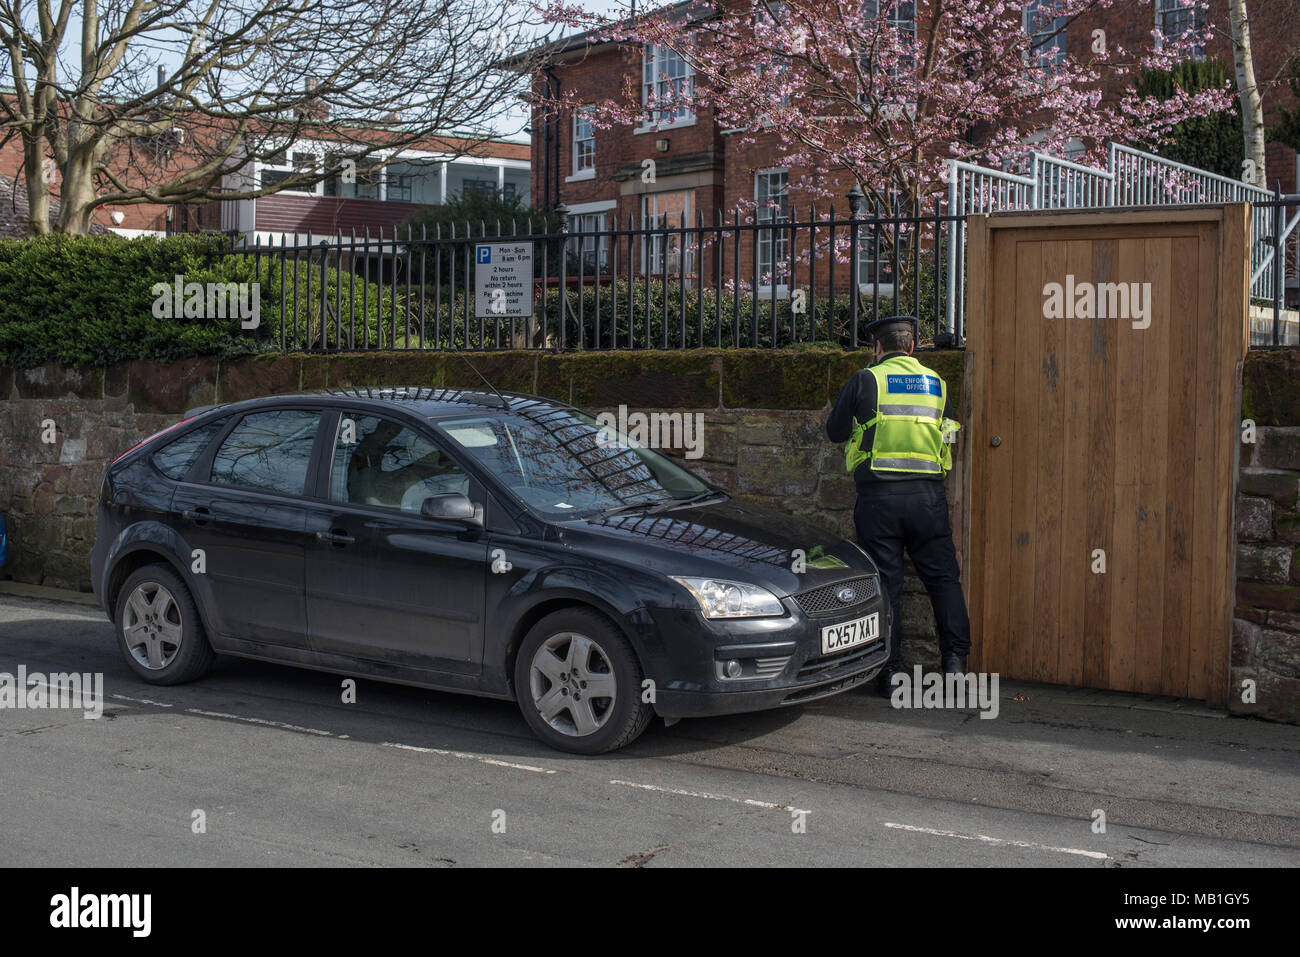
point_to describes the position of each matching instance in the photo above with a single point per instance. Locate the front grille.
(822, 601)
(822, 691)
(814, 667)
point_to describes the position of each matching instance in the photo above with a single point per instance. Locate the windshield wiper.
(664, 504)
(696, 499)
(628, 507)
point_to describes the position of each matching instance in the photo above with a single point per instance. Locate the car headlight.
(726, 599)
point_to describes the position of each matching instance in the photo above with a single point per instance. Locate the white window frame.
(653, 57)
(869, 253)
(898, 23)
(580, 171)
(1165, 7)
(1051, 54)
(595, 246)
(390, 179)
(780, 64)
(651, 251)
(776, 242)
(290, 166)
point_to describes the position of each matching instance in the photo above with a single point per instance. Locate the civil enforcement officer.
(894, 414)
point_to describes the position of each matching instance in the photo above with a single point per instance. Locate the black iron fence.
(757, 281)
(769, 279)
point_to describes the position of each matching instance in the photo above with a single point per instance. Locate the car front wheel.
(578, 682)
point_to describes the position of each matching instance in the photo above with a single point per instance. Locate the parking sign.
(503, 280)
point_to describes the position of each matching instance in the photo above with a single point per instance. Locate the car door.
(243, 513)
(384, 583)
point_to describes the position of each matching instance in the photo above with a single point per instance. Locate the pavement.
(262, 764)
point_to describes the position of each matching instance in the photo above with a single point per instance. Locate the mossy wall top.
(807, 378)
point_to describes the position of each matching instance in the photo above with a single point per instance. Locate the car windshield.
(563, 464)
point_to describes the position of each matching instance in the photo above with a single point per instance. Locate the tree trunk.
(1252, 107)
(38, 191)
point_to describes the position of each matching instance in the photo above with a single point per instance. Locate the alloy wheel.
(572, 683)
(152, 626)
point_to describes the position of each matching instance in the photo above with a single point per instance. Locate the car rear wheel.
(578, 682)
(158, 628)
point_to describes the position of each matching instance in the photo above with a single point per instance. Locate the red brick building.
(701, 168)
(424, 174)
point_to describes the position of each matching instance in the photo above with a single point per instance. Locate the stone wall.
(1266, 625)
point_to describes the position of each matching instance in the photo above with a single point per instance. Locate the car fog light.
(733, 668)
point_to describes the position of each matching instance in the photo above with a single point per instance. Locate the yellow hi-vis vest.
(911, 434)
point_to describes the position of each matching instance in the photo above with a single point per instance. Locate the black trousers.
(913, 515)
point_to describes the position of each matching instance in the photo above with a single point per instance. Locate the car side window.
(175, 458)
(383, 463)
(270, 451)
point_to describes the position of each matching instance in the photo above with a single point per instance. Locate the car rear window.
(175, 458)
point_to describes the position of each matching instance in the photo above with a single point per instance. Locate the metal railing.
(806, 277)
(1133, 178)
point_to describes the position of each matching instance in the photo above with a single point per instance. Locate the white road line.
(343, 737)
(157, 704)
(263, 721)
(1096, 855)
(472, 757)
(681, 792)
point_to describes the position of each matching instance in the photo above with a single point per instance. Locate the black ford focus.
(500, 545)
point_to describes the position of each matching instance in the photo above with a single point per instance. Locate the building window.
(413, 181)
(899, 17)
(668, 211)
(278, 169)
(594, 249)
(666, 78)
(486, 187)
(773, 34)
(875, 252)
(584, 142)
(1183, 20)
(1046, 33)
(352, 177)
(772, 245)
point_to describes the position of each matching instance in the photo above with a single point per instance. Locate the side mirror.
(453, 507)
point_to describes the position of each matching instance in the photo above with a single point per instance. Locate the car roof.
(421, 400)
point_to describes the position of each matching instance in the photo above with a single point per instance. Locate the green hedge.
(89, 300)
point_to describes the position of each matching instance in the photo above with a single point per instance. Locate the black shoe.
(884, 681)
(954, 664)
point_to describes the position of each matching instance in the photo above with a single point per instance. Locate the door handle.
(198, 515)
(995, 441)
(336, 537)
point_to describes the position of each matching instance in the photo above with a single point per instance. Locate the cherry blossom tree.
(883, 93)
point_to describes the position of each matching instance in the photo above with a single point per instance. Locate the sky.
(511, 126)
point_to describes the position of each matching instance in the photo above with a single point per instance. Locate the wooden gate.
(1101, 447)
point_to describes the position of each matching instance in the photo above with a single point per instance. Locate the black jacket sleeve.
(856, 400)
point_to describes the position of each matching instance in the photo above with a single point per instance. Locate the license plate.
(850, 634)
